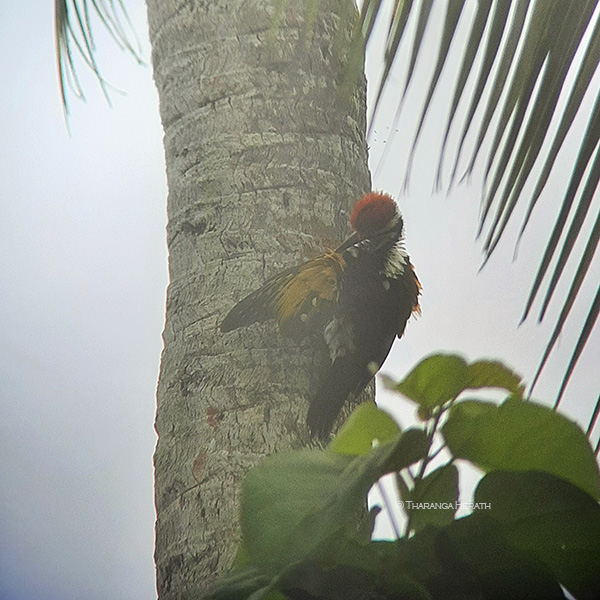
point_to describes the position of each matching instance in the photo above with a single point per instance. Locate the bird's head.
(373, 214)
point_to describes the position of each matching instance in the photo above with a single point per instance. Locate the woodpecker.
(358, 297)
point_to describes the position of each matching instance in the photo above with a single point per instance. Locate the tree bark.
(264, 159)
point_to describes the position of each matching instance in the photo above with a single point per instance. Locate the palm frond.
(74, 37)
(453, 12)
(533, 53)
(395, 33)
(481, 19)
(581, 342)
(593, 420)
(495, 35)
(420, 32)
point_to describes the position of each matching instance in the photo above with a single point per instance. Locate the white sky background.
(83, 268)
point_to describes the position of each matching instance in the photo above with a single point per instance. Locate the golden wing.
(299, 298)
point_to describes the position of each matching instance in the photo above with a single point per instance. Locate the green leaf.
(493, 374)
(365, 425)
(277, 496)
(435, 380)
(410, 447)
(267, 593)
(479, 563)
(550, 519)
(522, 436)
(295, 505)
(470, 559)
(356, 570)
(442, 377)
(439, 492)
(417, 555)
(242, 582)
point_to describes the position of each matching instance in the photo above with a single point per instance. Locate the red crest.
(372, 213)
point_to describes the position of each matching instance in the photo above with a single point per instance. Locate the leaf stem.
(426, 460)
(388, 508)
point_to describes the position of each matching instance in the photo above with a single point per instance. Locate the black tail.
(344, 377)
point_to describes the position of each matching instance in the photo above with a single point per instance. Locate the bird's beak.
(353, 239)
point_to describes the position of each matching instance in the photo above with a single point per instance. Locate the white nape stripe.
(396, 261)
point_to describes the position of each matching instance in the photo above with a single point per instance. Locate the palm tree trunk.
(264, 158)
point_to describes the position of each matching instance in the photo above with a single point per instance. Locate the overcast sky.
(84, 273)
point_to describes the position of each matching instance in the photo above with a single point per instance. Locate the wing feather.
(298, 298)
